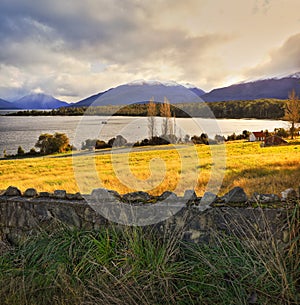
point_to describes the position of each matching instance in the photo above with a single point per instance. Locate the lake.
(25, 130)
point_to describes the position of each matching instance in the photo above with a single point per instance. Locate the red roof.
(259, 134)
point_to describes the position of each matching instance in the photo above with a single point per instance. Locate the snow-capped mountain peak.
(294, 75)
(139, 91)
(287, 75)
(188, 85)
(277, 87)
(141, 82)
(38, 101)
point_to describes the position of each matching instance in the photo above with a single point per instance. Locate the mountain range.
(6, 105)
(142, 91)
(277, 88)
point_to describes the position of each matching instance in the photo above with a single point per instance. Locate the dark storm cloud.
(35, 33)
(77, 23)
(115, 30)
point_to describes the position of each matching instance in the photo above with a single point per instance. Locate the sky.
(72, 49)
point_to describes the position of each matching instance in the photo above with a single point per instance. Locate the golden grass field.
(256, 169)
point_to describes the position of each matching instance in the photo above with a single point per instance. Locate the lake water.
(24, 131)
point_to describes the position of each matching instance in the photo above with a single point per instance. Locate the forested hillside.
(260, 109)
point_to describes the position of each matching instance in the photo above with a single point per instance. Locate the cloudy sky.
(72, 48)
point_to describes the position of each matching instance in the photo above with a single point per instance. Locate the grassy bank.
(135, 266)
(266, 170)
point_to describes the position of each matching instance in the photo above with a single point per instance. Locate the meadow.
(216, 168)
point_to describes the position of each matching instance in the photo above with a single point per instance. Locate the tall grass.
(130, 265)
(248, 267)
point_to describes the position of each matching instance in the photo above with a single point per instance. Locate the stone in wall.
(265, 198)
(31, 192)
(236, 195)
(289, 194)
(136, 197)
(12, 191)
(167, 196)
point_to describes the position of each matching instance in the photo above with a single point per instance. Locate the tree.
(89, 144)
(118, 141)
(203, 139)
(165, 113)
(281, 132)
(186, 138)
(246, 134)
(111, 142)
(49, 144)
(151, 113)
(21, 151)
(32, 151)
(43, 143)
(292, 110)
(60, 143)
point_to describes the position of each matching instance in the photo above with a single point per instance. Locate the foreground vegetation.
(256, 169)
(124, 265)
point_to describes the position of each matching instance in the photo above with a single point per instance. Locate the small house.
(274, 140)
(257, 136)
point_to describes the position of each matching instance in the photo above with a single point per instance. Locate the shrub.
(153, 141)
(89, 144)
(203, 139)
(281, 132)
(21, 151)
(33, 152)
(49, 144)
(118, 141)
(101, 144)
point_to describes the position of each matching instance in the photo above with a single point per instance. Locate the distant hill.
(6, 105)
(89, 100)
(39, 101)
(140, 91)
(277, 88)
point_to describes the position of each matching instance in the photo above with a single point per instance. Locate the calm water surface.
(24, 131)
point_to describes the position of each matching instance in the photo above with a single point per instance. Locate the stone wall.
(22, 215)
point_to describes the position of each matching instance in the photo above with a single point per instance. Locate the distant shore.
(258, 109)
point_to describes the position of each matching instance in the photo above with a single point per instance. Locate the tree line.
(260, 109)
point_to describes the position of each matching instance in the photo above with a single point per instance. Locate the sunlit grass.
(266, 170)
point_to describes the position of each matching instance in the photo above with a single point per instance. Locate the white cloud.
(281, 60)
(74, 48)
